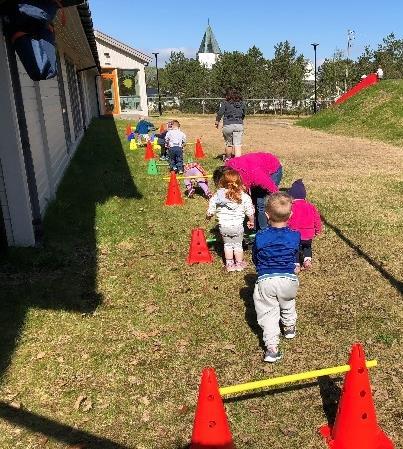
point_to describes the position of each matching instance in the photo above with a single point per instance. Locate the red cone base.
(210, 428)
(149, 154)
(356, 426)
(174, 194)
(199, 153)
(198, 251)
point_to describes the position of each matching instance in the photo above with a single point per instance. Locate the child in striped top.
(230, 203)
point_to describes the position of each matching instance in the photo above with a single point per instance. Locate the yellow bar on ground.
(241, 388)
(189, 177)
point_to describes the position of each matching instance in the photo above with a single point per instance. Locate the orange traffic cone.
(199, 153)
(149, 154)
(355, 426)
(174, 195)
(210, 428)
(198, 251)
(128, 130)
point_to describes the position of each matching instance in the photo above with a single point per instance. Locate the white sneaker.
(290, 331)
(272, 354)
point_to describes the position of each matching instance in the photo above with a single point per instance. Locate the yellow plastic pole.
(189, 177)
(241, 388)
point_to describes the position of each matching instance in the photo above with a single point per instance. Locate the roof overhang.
(122, 47)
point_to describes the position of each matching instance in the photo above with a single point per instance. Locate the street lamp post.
(158, 84)
(315, 104)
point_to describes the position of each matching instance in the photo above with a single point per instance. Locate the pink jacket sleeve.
(317, 221)
(262, 179)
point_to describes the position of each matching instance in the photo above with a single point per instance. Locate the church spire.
(209, 43)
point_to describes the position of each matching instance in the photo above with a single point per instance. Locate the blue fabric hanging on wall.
(29, 26)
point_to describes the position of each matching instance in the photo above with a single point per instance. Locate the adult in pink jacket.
(261, 173)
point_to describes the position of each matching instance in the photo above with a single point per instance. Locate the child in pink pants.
(195, 169)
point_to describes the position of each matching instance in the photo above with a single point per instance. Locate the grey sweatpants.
(274, 299)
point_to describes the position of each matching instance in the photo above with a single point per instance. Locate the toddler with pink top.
(305, 219)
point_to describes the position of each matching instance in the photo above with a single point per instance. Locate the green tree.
(332, 75)
(288, 71)
(184, 77)
(389, 56)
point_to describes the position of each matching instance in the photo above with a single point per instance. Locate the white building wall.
(121, 60)
(37, 137)
(14, 195)
(207, 59)
(92, 93)
(47, 139)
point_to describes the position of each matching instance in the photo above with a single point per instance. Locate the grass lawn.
(375, 113)
(105, 330)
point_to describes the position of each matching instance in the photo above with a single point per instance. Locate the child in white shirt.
(230, 203)
(175, 141)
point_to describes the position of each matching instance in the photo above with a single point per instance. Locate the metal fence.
(274, 106)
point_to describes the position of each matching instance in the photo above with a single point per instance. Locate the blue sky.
(179, 25)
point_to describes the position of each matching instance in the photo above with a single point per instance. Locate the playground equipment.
(199, 153)
(355, 426)
(210, 429)
(128, 130)
(190, 177)
(152, 168)
(149, 153)
(174, 195)
(370, 80)
(198, 251)
(291, 378)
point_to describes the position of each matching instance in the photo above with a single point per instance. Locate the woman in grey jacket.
(232, 111)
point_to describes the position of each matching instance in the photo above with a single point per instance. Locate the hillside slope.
(375, 113)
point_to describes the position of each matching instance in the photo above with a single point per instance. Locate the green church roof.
(209, 43)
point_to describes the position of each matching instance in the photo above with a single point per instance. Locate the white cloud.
(165, 53)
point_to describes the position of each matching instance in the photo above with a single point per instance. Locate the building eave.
(99, 35)
(88, 26)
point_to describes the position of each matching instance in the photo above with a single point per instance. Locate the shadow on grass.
(330, 393)
(395, 283)
(246, 294)
(52, 429)
(62, 274)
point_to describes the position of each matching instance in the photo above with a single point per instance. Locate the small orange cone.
(355, 426)
(198, 251)
(174, 195)
(199, 153)
(128, 130)
(210, 428)
(149, 154)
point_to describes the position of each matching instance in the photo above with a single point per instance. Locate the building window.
(74, 97)
(107, 55)
(129, 90)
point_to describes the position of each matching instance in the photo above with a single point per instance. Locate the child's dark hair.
(218, 172)
(233, 95)
(232, 182)
(175, 122)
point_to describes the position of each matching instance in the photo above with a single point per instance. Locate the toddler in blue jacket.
(275, 254)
